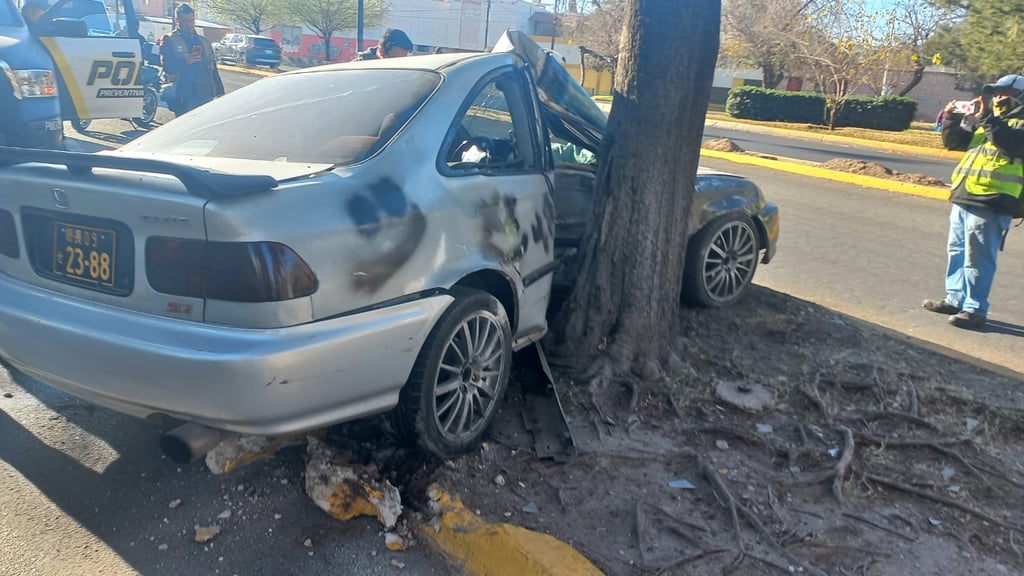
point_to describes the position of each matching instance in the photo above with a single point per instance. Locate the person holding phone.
(189, 64)
(986, 190)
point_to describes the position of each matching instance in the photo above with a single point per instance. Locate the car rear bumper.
(249, 381)
(769, 219)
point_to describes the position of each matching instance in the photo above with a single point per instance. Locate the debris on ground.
(206, 533)
(224, 515)
(875, 170)
(345, 489)
(394, 542)
(721, 145)
(174, 503)
(745, 395)
(398, 564)
(849, 472)
(240, 451)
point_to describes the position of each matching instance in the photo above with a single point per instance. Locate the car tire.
(721, 260)
(459, 378)
(81, 125)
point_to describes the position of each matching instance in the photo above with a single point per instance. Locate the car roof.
(435, 62)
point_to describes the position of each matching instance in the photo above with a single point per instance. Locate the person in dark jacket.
(986, 190)
(189, 63)
(393, 44)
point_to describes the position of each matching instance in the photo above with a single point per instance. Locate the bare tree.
(761, 33)
(601, 28)
(915, 22)
(328, 17)
(846, 42)
(253, 15)
(626, 297)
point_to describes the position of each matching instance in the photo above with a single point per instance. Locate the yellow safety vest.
(985, 171)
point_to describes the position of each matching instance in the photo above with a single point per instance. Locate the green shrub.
(756, 103)
(885, 113)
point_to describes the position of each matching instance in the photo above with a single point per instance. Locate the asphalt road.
(84, 491)
(823, 152)
(876, 255)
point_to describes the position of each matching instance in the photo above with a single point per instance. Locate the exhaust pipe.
(190, 442)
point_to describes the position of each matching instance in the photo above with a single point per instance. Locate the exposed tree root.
(913, 409)
(726, 497)
(902, 442)
(873, 524)
(843, 464)
(940, 499)
(689, 559)
(883, 414)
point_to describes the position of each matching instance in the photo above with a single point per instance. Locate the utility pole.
(359, 26)
(554, 22)
(487, 24)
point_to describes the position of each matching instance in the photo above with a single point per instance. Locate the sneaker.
(940, 307)
(968, 320)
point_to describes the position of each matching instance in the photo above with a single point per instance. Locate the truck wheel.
(459, 377)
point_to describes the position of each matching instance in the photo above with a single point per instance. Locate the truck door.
(99, 65)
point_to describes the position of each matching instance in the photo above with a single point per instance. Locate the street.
(876, 255)
(823, 152)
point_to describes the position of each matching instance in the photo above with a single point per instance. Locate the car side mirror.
(64, 28)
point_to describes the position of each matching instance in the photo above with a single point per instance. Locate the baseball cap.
(1008, 82)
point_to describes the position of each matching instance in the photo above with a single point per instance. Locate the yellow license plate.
(84, 254)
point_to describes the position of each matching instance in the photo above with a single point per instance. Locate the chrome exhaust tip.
(190, 442)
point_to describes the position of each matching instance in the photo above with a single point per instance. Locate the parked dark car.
(248, 49)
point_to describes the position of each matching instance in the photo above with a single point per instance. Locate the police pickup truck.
(75, 63)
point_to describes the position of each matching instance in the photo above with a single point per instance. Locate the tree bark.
(914, 81)
(626, 297)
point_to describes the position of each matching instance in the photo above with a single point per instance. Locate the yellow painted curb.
(857, 179)
(253, 71)
(484, 549)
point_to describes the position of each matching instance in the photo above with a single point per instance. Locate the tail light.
(8, 235)
(232, 271)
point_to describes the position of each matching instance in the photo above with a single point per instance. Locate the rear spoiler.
(199, 183)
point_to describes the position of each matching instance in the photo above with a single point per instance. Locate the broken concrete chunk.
(394, 542)
(346, 490)
(745, 395)
(398, 564)
(764, 428)
(308, 543)
(499, 480)
(174, 503)
(224, 515)
(206, 533)
(721, 444)
(240, 451)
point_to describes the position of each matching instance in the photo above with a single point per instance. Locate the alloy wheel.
(466, 389)
(730, 260)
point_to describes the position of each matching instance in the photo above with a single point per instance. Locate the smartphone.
(963, 106)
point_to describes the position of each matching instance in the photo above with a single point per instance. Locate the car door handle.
(123, 54)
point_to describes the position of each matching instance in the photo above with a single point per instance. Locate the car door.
(493, 161)
(99, 74)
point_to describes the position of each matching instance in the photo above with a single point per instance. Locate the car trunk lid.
(84, 220)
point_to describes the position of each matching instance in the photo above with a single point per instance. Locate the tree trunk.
(626, 296)
(918, 75)
(327, 47)
(770, 75)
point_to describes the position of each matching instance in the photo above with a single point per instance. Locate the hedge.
(754, 103)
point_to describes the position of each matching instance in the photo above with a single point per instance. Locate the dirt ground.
(872, 456)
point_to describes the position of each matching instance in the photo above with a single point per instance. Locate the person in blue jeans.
(986, 190)
(188, 61)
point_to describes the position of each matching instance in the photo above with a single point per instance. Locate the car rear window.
(336, 117)
(263, 43)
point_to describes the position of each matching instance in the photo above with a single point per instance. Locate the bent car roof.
(435, 62)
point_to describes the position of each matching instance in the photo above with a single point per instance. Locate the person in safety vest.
(189, 63)
(986, 190)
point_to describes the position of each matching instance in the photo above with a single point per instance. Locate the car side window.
(494, 133)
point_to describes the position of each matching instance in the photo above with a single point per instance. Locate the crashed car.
(327, 244)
